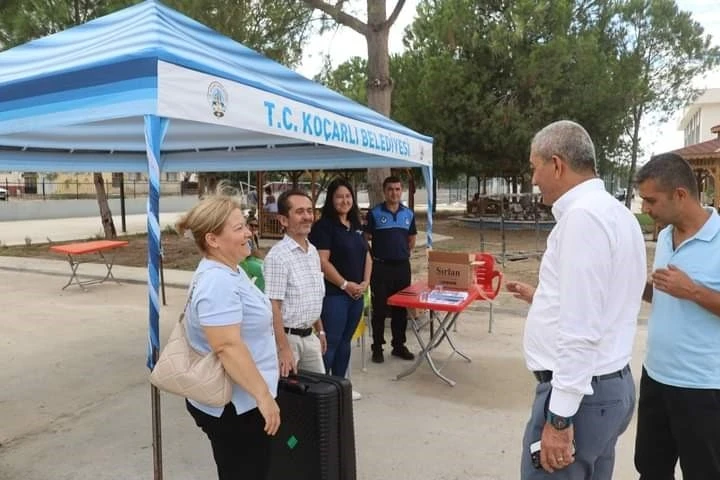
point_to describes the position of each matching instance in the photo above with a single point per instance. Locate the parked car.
(3, 194)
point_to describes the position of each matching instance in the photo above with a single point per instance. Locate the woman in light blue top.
(230, 316)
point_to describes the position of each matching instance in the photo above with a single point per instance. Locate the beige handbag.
(183, 371)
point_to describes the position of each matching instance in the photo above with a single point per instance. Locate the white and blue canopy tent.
(147, 89)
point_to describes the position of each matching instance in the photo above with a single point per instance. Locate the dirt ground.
(180, 253)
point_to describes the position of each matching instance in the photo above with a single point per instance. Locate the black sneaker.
(403, 353)
(377, 356)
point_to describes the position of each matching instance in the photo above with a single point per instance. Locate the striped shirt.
(294, 277)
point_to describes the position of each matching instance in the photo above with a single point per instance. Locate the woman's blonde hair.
(208, 216)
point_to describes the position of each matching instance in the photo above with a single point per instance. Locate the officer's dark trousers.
(388, 279)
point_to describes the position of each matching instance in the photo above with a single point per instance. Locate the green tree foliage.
(663, 49)
(508, 69)
(349, 78)
(482, 77)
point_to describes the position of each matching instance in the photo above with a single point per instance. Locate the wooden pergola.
(704, 158)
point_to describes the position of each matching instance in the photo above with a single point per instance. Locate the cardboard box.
(451, 269)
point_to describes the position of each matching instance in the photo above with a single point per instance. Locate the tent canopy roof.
(77, 100)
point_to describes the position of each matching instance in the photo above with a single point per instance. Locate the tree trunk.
(379, 85)
(637, 116)
(105, 213)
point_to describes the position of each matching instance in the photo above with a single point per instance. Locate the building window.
(171, 176)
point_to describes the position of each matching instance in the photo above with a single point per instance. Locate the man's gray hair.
(670, 171)
(567, 140)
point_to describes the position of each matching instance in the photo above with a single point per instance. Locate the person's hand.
(270, 411)
(354, 290)
(673, 281)
(323, 343)
(287, 361)
(556, 448)
(521, 290)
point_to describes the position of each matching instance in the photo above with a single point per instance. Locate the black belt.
(543, 376)
(300, 332)
(390, 262)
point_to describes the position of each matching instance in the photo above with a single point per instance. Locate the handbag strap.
(187, 302)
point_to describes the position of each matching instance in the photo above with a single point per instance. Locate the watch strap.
(558, 422)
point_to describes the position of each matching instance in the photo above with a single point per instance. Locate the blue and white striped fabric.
(86, 90)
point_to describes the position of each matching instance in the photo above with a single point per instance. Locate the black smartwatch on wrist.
(558, 422)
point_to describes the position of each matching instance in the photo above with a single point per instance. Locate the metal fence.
(461, 190)
(75, 189)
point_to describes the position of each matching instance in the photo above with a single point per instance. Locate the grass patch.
(644, 219)
(647, 224)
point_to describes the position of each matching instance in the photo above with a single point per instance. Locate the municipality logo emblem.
(217, 97)
(383, 219)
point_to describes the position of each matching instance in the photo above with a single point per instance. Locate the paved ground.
(76, 228)
(75, 396)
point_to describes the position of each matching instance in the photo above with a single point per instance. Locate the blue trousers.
(601, 419)
(340, 317)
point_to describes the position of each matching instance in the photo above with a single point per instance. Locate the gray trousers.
(601, 419)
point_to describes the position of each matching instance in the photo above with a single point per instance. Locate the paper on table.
(448, 297)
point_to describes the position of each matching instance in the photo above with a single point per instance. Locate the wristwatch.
(344, 285)
(558, 422)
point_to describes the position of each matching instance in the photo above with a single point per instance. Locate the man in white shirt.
(581, 324)
(296, 287)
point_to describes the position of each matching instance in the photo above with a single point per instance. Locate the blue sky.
(344, 43)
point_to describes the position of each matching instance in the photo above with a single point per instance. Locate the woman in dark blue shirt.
(346, 265)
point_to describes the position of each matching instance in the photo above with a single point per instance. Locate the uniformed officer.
(391, 228)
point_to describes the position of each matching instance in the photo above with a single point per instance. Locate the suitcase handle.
(295, 385)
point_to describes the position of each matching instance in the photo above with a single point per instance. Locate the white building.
(700, 116)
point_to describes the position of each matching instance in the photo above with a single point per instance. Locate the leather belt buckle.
(300, 332)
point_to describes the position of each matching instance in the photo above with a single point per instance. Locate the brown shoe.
(402, 352)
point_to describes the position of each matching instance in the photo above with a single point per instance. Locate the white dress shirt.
(294, 276)
(583, 316)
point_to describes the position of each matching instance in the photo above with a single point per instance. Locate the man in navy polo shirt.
(679, 408)
(391, 228)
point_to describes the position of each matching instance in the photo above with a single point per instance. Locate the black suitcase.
(316, 440)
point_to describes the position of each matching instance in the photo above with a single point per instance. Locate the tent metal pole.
(155, 130)
(156, 432)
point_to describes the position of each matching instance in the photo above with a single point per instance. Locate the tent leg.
(156, 433)
(155, 130)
